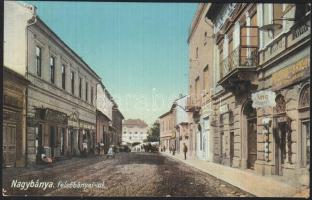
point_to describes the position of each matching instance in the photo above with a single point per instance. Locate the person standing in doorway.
(184, 150)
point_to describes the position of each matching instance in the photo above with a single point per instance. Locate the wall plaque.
(263, 99)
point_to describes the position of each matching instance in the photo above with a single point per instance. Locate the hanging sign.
(263, 99)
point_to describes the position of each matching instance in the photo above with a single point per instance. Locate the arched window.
(280, 105)
(304, 100)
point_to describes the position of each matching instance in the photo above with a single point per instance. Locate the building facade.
(262, 81)
(167, 134)
(134, 131)
(200, 41)
(116, 125)
(61, 109)
(104, 106)
(182, 126)
(14, 119)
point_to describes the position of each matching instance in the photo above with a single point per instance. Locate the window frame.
(52, 69)
(38, 60)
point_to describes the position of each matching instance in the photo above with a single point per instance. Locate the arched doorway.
(250, 133)
(281, 134)
(304, 127)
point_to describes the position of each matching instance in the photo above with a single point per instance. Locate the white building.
(61, 107)
(134, 130)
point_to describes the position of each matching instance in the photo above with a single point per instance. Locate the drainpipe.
(26, 91)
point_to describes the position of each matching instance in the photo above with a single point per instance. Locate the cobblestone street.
(128, 174)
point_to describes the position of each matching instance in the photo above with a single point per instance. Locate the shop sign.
(224, 108)
(291, 74)
(263, 99)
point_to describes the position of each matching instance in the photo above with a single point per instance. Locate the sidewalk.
(257, 185)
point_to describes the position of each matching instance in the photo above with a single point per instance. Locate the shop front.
(14, 121)
(51, 134)
(87, 137)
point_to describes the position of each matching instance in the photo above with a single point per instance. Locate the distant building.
(104, 107)
(167, 123)
(134, 130)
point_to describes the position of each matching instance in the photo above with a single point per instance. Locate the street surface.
(128, 174)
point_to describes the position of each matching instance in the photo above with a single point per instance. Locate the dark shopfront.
(51, 133)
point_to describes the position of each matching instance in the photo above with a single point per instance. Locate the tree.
(153, 133)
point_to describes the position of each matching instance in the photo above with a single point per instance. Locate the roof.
(135, 122)
(15, 74)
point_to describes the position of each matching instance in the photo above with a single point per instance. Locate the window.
(196, 52)
(91, 95)
(277, 14)
(136, 133)
(205, 38)
(80, 87)
(197, 87)
(86, 91)
(38, 60)
(206, 79)
(72, 78)
(63, 76)
(52, 68)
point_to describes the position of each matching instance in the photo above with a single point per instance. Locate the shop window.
(280, 105)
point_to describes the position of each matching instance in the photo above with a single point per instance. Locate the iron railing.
(242, 56)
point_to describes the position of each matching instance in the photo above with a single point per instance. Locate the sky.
(139, 50)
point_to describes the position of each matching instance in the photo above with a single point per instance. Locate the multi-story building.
(14, 119)
(61, 111)
(116, 127)
(104, 106)
(261, 79)
(200, 42)
(134, 131)
(167, 130)
(182, 125)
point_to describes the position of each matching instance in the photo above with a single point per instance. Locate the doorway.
(250, 129)
(9, 144)
(231, 148)
(280, 147)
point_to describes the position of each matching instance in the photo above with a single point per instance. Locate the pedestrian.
(170, 148)
(173, 149)
(110, 152)
(184, 150)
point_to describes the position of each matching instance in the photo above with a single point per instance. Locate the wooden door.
(231, 148)
(252, 142)
(9, 144)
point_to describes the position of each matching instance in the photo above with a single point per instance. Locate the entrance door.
(62, 141)
(252, 142)
(9, 144)
(231, 148)
(52, 139)
(280, 146)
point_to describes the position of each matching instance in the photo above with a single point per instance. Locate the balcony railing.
(242, 56)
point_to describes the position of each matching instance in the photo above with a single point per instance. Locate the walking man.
(184, 150)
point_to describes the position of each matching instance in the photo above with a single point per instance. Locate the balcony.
(238, 70)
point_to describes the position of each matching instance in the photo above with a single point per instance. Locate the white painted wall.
(103, 103)
(181, 115)
(16, 16)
